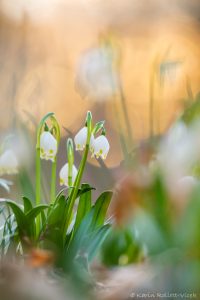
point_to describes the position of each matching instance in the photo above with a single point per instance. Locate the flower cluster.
(99, 147)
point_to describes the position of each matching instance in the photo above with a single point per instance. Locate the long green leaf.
(96, 240)
(79, 237)
(18, 212)
(32, 214)
(55, 215)
(100, 209)
(84, 205)
(27, 204)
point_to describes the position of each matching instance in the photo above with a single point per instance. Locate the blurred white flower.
(64, 173)
(186, 184)
(100, 147)
(48, 146)
(169, 70)
(5, 184)
(8, 163)
(96, 77)
(80, 139)
(182, 191)
(178, 152)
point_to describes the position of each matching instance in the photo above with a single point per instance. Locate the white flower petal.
(100, 147)
(48, 146)
(81, 138)
(64, 174)
(8, 163)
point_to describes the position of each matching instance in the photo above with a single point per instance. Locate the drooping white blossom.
(8, 163)
(100, 147)
(96, 77)
(48, 146)
(64, 173)
(81, 139)
(179, 150)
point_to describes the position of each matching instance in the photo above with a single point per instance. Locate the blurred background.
(136, 65)
(42, 44)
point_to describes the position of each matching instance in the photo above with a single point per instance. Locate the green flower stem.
(38, 192)
(53, 181)
(70, 175)
(73, 194)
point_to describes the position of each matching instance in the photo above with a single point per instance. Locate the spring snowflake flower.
(64, 172)
(81, 139)
(100, 147)
(8, 163)
(48, 146)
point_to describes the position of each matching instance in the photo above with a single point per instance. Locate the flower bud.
(70, 151)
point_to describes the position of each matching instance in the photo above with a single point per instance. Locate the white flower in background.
(179, 150)
(64, 173)
(183, 189)
(81, 139)
(169, 70)
(5, 184)
(48, 146)
(8, 163)
(96, 77)
(100, 147)
(186, 184)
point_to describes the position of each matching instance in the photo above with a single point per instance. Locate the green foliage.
(84, 206)
(87, 233)
(71, 224)
(192, 112)
(121, 247)
(90, 234)
(25, 219)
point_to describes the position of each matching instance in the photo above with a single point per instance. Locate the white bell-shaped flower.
(8, 163)
(48, 146)
(100, 147)
(97, 79)
(64, 173)
(81, 139)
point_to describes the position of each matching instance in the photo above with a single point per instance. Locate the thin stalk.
(70, 178)
(126, 117)
(70, 166)
(151, 104)
(74, 192)
(121, 136)
(53, 181)
(38, 191)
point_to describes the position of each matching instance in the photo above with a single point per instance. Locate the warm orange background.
(41, 43)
